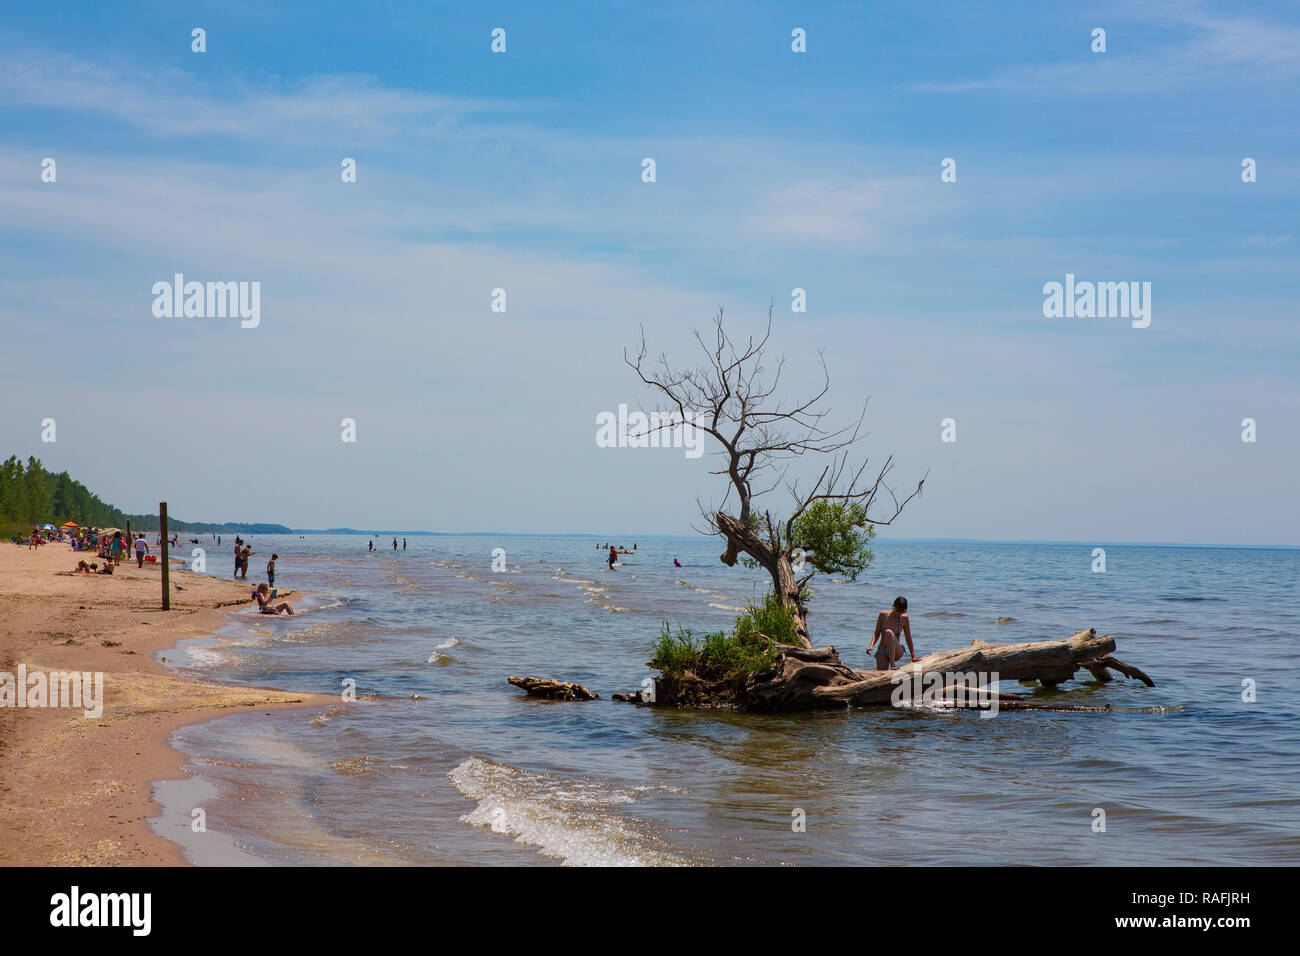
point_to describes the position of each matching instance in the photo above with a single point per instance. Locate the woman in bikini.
(264, 605)
(889, 624)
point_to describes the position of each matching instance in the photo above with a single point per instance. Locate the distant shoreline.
(631, 535)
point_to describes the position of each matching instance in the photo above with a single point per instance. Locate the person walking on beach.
(613, 556)
(270, 570)
(116, 549)
(141, 546)
(889, 624)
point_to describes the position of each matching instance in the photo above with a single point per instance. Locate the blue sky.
(775, 170)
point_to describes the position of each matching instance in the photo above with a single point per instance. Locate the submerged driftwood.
(810, 678)
(553, 689)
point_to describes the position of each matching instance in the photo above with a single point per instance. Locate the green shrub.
(673, 654)
(771, 619)
(726, 657)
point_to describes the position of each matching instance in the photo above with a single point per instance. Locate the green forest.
(30, 495)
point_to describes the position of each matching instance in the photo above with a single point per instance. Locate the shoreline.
(77, 790)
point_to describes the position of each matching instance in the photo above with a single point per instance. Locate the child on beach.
(270, 570)
(889, 624)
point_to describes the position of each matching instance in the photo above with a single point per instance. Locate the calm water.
(471, 771)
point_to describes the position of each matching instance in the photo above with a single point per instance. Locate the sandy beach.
(76, 790)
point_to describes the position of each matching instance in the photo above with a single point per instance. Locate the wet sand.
(76, 790)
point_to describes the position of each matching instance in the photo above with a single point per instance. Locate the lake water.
(442, 762)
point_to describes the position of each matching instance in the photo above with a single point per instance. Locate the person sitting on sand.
(84, 568)
(889, 624)
(264, 606)
(107, 568)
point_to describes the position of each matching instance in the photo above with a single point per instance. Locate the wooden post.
(166, 565)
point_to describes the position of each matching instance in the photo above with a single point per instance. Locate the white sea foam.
(207, 656)
(573, 820)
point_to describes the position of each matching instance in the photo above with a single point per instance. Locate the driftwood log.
(553, 689)
(810, 678)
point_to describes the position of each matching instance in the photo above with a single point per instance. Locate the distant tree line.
(30, 495)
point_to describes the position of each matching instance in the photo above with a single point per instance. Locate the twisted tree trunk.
(741, 538)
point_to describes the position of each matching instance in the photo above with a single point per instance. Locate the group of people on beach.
(242, 553)
(373, 548)
(263, 594)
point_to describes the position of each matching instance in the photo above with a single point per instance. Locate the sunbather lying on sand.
(263, 597)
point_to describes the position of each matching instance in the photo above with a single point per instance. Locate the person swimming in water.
(889, 624)
(676, 563)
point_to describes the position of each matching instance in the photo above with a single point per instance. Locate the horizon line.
(941, 540)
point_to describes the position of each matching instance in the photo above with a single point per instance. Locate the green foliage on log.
(717, 667)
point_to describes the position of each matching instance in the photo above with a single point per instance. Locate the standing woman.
(889, 625)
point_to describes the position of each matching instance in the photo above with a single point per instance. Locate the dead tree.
(732, 398)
